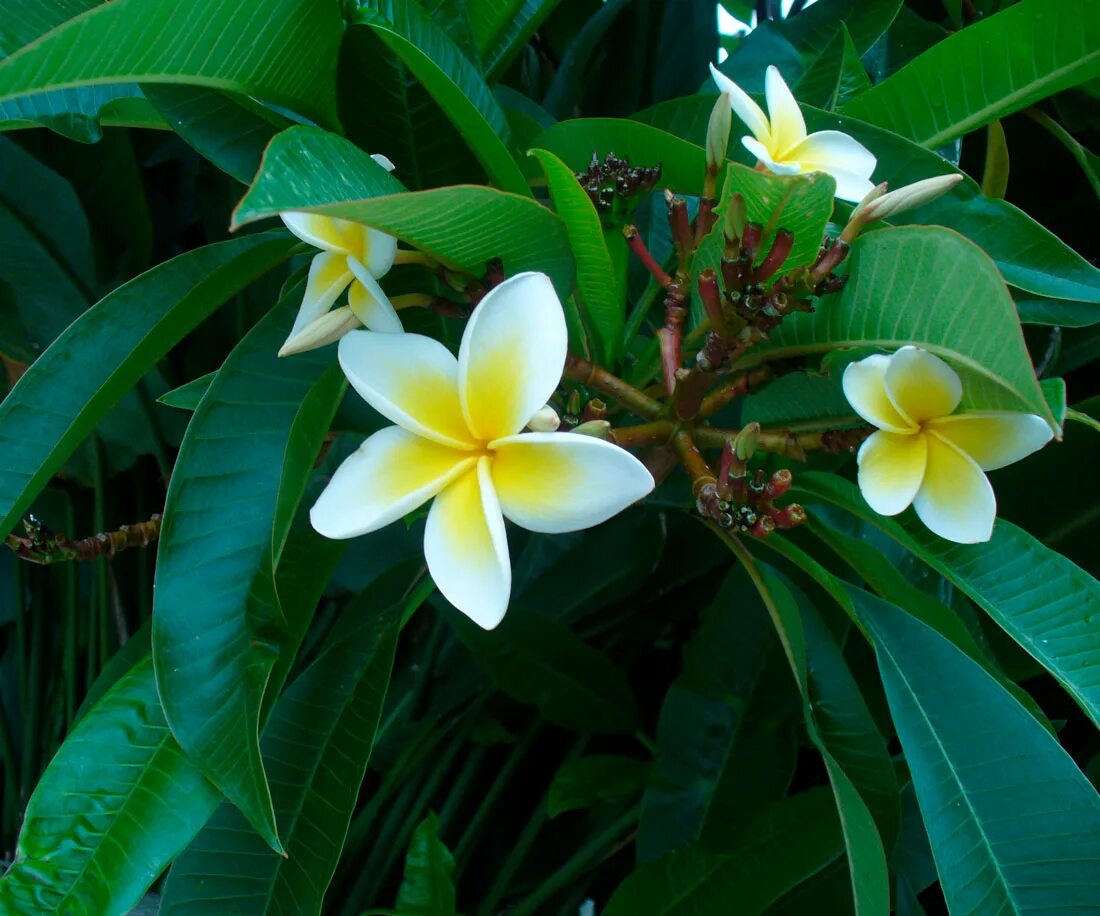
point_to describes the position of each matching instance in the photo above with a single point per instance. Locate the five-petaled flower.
(352, 257)
(780, 142)
(458, 439)
(925, 454)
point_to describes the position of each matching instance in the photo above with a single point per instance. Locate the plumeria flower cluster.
(459, 438)
(353, 257)
(925, 454)
(780, 142)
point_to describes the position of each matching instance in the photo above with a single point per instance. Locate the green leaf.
(683, 164)
(503, 27)
(539, 661)
(282, 51)
(836, 76)
(114, 807)
(187, 397)
(312, 170)
(1029, 256)
(104, 353)
(798, 400)
(796, 838)
(453, 82)
(932, 288)
(1054, 623)
(603, 312)
(1062, 312)
(217, 621)
(585, 781)
(987, 71)
(702, 715)
(228, 130)
(316, 748)
(26, 20)
(426, 886)
(81, 113)
(566, 86)
(976, 754)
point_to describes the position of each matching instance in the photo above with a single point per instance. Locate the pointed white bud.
(910, 196)
(545, 420)
(327, 328)
(718, 132)
(383, 161)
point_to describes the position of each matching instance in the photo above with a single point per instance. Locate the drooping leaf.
(114, 807)
(465, 226)
(282, 51)
(965, 315)
(604, 313)
(103, 354)
(585, 781)
(503, 27)
(217, 623)
(81, 113)
(566, 86)
(986, 71)
(976, 755)
(453, 82)
(426, 886)
(539, 661)
(1054, 622)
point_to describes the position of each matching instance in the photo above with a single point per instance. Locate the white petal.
(467, 549)
(320, 231)
(955, 500)
(512, 355)
(864, 386)
(409, 379)
(761, 152)
(384, 161)
(328, 277)
(921, 385)
(557, 482)
(891, 468)
(788, 128)
(330, 327)
(388, 476)
(994, 438)
(843, 157)
(370, 303)
(379, 251)
(743, 106)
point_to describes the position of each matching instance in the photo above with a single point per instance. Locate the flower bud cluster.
(613, 183)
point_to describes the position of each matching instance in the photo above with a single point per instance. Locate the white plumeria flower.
(925, 454)
(458, 439)
(779, 138)
(352, 257)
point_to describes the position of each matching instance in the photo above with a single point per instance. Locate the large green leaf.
(502, 27)
(1027, 255)
(114, 807)
(426, 886)
(1014, 825)
(1054, 620)
(797, 838)
(932, 288)
(567, 83)
(702, 715)
(26, 20)
(453, 82)
(603, 311)
(81, 113)
(217, 621)
(539, 661)
(584, 782)
(282, 51)
(465, 226)
(104, 353)
(316, 748)
(986, 71)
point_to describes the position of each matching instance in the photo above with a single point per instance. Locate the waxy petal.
(512, 355)
(994, 438)
(383, 160)
(467, 549)
(955, 500)
(392, 473)
(370, 303)
(763, 154)
(557, 482)
(378, 251)
(324, 232)
(891, 468)
(409, 379)
(921, 385)
(328, 277)
(864, 386)
(744, 107)
(845, 158)
(788, 128)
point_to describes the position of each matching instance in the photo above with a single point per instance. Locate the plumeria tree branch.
(41, 546)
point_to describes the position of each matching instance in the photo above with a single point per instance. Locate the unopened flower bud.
(322, 330)
(744, 446)
(909, 197)
(545, 420)
(733, 226)
(718, 133)
(597, 429)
